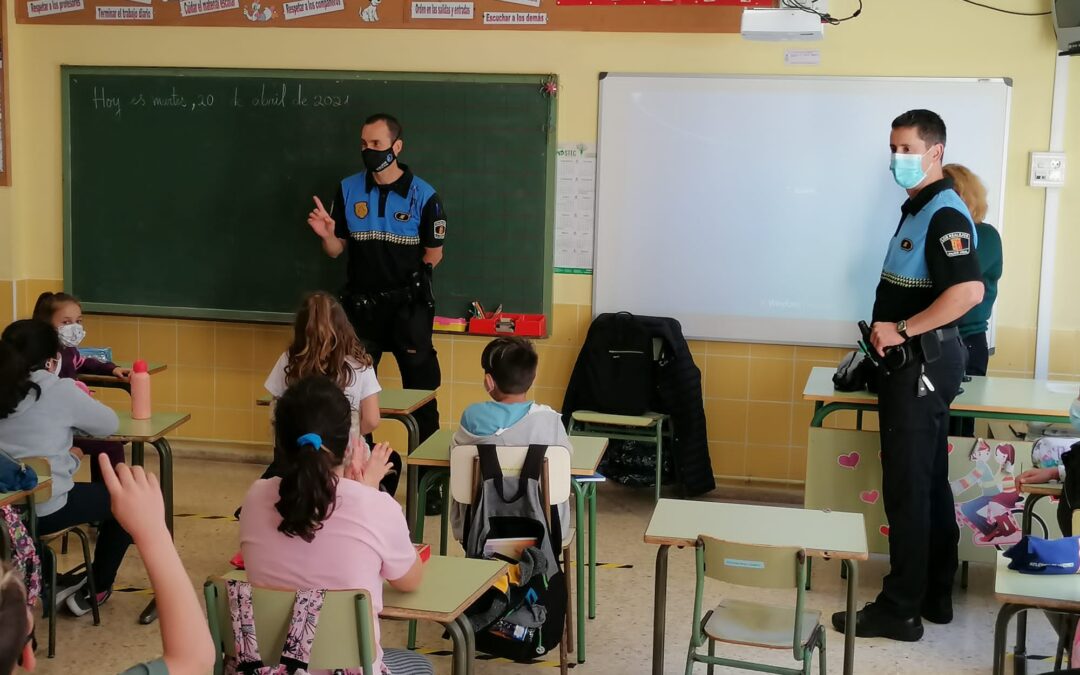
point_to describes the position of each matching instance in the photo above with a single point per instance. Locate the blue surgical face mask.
(907, 170)
(1074, 414)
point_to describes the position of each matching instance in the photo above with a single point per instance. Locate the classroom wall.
(1065, 334)
(757, 422)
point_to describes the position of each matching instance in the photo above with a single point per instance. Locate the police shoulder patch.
(956, 244)
(360, 209)
(402, 216)
(906, 245)
(440, 229)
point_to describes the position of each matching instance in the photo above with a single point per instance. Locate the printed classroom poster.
(575, 208)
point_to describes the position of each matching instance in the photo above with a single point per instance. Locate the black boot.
(873, 620)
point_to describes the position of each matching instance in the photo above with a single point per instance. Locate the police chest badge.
(906, 245)
(402, 217)
(360, 209)
(956, 244)
(440, 229)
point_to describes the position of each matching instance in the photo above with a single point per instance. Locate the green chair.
(345, 637)
(750, 623)
(48, 600)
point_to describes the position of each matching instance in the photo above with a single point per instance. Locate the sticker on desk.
(745, 564)
(848, 461)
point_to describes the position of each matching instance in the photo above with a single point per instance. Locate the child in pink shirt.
(324, 524)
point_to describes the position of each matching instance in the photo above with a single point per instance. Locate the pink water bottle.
(140, 391)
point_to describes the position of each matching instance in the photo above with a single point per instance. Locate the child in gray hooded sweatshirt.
(509, 365)
(39, 416)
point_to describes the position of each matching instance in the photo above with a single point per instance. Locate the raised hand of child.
(136, 500)
(377, 465)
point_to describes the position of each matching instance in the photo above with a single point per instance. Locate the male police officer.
(393, 225)
(930, 279)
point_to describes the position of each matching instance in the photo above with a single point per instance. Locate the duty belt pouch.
(931, 346)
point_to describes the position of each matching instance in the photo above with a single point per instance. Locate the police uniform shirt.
(387, 228)
(933, 249)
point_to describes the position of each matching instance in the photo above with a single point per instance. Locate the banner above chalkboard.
(680, 16)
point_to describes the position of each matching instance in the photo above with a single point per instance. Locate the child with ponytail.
(322, 523)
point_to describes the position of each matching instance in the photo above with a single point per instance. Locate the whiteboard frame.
(999, 225)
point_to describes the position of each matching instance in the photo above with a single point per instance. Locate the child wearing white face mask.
(39, 414)
(64, 312)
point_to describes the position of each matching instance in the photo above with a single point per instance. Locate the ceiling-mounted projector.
(775, 25)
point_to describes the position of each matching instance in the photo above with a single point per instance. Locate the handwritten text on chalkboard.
(283, 95)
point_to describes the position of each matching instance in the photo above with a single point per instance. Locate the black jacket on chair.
(677, 393)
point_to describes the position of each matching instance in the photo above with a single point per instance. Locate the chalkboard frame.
(67, 72)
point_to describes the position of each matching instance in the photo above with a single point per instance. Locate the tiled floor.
(619, 639)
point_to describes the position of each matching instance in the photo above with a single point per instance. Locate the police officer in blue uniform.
(930, 279)
(393, 225)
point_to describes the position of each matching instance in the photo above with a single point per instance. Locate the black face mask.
(378, 160)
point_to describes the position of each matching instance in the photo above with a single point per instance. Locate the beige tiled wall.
(757, 420)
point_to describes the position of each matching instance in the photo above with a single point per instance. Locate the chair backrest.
(750, 565)
(464, 465)
(41, 467)
(345, 637)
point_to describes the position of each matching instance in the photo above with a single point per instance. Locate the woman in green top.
(974, 324)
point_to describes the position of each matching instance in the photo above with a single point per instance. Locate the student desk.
(152, 431)
(1002, 398)
(824, 534)
(110, 382)
(588, 451)
(1036, 491)
(1020, 592)
(9, 498)
(449, 587)
(396, 404)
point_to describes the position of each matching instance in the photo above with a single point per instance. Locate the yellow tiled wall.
(756, 417)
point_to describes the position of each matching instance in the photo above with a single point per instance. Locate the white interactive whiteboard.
(757, 208)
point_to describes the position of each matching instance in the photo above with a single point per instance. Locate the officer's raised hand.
(320, 221)
(883, 335)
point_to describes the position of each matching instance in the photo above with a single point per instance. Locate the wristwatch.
(901, 327)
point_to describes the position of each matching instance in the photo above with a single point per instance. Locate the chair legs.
(712, 652)
(49, 607)
(87, 565)
(569, 602)
(823, 669)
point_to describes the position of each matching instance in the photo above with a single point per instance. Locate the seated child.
(324, 524)
(64, 312)
(39, 413)
(137, 504)
(509, 365)
(325, 343)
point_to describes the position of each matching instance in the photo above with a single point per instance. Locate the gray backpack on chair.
(526, 621)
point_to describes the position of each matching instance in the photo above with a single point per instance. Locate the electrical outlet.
(1047, 169)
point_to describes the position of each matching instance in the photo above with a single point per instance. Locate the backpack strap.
(23, 553)
(296, 652)
(534, 462)
(490, 469)
(242, 615)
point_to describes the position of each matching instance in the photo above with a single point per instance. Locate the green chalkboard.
(186, 191)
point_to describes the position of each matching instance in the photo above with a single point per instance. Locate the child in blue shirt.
(509, 365)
